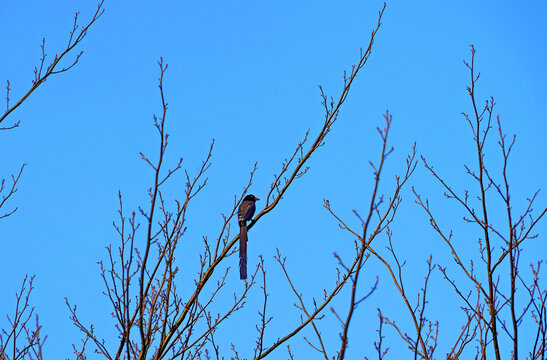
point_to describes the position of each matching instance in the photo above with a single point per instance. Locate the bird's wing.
(242, 210)
(246, 210)
(250, 211)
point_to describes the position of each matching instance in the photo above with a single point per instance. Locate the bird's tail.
(243, 252)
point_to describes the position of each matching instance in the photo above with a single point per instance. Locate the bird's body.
(245, 213)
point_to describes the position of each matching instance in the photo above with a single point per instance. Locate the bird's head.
(250, 198)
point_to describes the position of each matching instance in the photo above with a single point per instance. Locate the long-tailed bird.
(246, 211)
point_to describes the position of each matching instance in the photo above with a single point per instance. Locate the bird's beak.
(256, 199)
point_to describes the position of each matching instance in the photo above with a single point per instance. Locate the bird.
(245, 213)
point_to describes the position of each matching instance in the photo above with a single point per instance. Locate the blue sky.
(246, 74)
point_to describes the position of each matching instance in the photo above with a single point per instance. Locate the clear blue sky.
(246, 74)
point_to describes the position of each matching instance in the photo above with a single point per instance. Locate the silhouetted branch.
(10, 192)
(22, 340)
(485, 316)
(42, 72)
